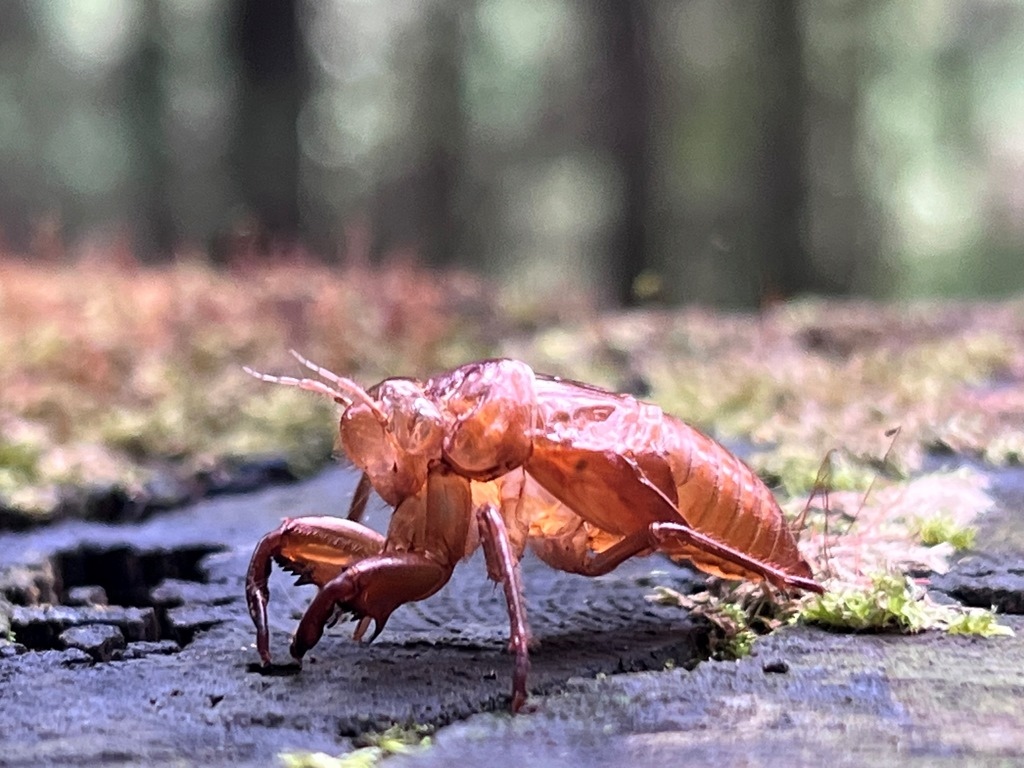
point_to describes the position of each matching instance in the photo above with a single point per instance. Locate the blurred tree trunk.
(780, 181)
(622, 114)
(441, 125)
(272, 89)
(422, 208)
(442, 122)
(25, 193)
(145, 79)
(843, 221)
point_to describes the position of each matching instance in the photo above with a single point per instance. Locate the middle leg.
(502, 566)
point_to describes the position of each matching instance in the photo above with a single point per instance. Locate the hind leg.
(572, 554)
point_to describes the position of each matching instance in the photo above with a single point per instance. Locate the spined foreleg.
(316, 549)
(371, 589)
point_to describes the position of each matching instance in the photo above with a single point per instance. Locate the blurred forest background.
(726, 152)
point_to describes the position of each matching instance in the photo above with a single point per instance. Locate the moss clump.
(20, 459)
(800, 471)
(366, 757)
(399, 739)
(396, 740)
(360, 758)
(943, 529)
(978, 622)
(893, 602)
(738, 612)
(737, 636)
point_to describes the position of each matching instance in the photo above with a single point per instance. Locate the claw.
(338, 614)
(316, 549)
(371, 589)
(257, 593)
(329, 601)
(378, 627)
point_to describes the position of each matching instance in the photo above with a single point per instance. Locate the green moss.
(738, 613)
(276, 419)
(733, 406)
(800, 471)
(737, 637)
(400, 739)
(943, 529)
(367, 757)
(20, 459)
(892, 602)
(978, 622)
(20, 470)
(396, 740)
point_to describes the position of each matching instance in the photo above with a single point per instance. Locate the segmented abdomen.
(720, 496)
(621, 464)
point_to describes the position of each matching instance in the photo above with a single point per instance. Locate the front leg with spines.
(316, 549)
(371, 589)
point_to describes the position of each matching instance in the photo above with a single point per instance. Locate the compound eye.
(428, 432)
(417, 426)
(422, 428)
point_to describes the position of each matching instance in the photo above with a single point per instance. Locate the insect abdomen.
(721, 497)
